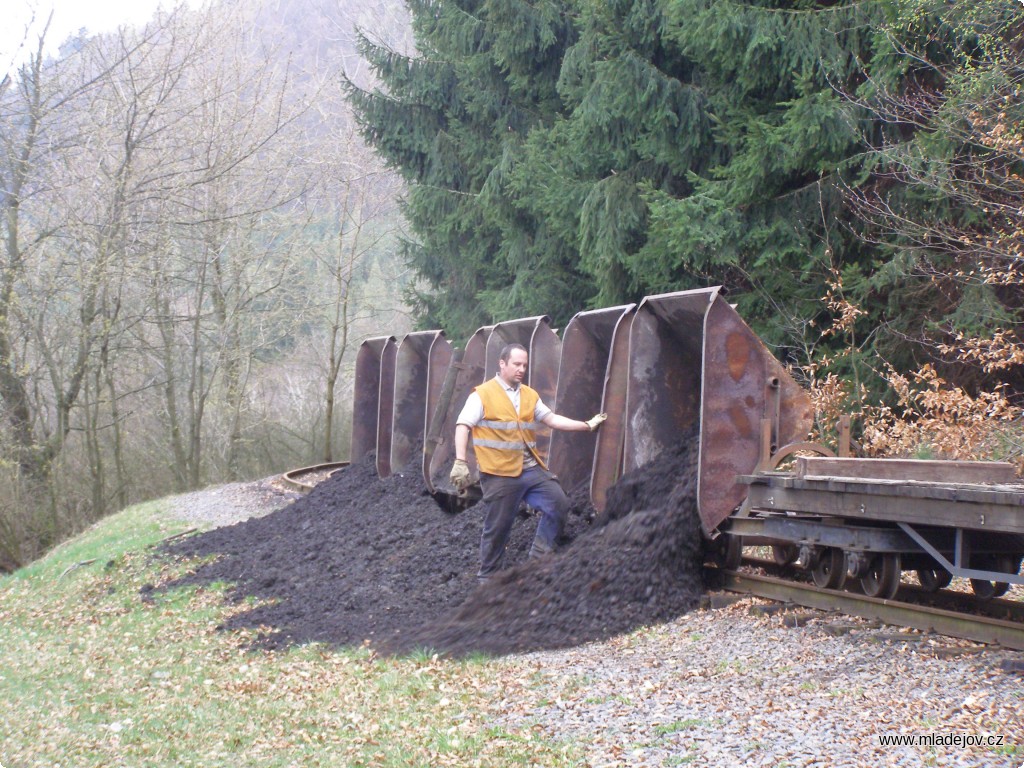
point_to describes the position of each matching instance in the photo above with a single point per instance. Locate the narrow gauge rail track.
(304, 479)
(996, 622)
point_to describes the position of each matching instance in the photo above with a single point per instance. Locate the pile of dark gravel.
(364, 560)
(640, 564)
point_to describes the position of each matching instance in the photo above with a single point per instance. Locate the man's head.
(512, 364)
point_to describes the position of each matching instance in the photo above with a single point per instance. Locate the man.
(502, 416)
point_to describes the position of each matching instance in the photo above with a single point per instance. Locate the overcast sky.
(68, 17)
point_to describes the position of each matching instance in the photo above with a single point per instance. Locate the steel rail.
(948, 599)
(291, 477)
(1007, 634)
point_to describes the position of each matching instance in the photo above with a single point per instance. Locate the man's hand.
(596, 421)
(460, 475)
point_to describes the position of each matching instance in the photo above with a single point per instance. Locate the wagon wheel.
(934, 579)
(983, 589)
(883, 576)
(830, 570)
(986, 590)
(1006, 564)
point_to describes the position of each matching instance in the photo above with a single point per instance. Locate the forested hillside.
(194, 242)
(850, 171)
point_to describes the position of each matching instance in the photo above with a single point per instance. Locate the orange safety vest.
(502, 434)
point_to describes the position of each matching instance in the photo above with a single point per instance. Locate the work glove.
(460, 475)
(596, 421)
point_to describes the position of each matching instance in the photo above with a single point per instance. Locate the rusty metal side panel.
(743, 383)
(664, 382)
(737, 372)
(471, 374)
(366, 398)
(440, 358)
(511, 332)
(586, 349)
(608, 452)
(695, 363)
(409, 421)
(386, 410)
(545, 354)
(543, 346)
(519, 331)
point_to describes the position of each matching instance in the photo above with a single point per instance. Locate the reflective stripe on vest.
(515, 425)
(501, 436)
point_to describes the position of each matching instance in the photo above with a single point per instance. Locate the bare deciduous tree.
(188, 221)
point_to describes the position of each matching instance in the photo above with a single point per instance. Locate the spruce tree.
(706, 142)
(573, 153)
(450, 119)
(566, 155)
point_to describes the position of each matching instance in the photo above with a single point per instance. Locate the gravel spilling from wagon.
(640, 564)
(365, 560)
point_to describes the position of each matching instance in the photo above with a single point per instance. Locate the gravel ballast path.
(728, 687)
(231, 503)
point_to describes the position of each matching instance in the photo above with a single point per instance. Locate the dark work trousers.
(502, 496)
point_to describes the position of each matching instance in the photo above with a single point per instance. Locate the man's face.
(513, 370)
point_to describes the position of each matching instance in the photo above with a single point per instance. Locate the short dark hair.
(506, 351)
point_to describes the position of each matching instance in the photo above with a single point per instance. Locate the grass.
(678, 725)
(92, 675)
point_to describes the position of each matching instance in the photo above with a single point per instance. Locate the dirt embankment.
(362, 559)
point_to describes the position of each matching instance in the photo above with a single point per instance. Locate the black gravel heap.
(364, 560)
